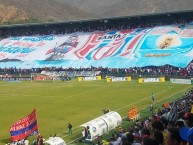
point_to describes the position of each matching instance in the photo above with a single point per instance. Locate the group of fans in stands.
(158, 129)
(166, 70)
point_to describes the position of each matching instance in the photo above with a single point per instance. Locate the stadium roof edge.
(97, 19)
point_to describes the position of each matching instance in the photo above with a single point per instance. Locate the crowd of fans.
(165, 70)
(40, 140)
(158, 129)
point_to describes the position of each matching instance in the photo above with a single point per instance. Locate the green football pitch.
(58, 103)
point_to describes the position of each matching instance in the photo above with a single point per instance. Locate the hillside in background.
(111, 8)
(39, 10)
(13, 11)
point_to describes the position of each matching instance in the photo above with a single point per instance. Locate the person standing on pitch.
(70, 128)
(151, 108)
(153, 97)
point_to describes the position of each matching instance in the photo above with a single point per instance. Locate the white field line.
(67, 96)
(25, 95)
(120, 108)
(138, 101)
(142, 99)
(81, 92)
(129, 105)
(115, 110)
(92, 90)
(159, 101)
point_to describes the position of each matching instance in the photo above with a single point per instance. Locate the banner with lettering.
(24, 127)
(89, 78)
(116, 49)
(117, 79)
(151, 80)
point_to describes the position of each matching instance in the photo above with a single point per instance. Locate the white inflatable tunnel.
(55, 141)
(103, 124)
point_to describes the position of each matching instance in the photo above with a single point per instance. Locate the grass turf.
(77, 102)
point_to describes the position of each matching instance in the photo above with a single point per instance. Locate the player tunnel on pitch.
(103, 124)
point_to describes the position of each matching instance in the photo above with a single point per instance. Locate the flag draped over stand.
(24, 127)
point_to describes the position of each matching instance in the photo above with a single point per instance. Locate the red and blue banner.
(24, 127)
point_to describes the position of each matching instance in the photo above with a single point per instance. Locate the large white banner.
(139, 47)
(180, 81)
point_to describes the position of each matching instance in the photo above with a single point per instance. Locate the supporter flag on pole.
(24, 127)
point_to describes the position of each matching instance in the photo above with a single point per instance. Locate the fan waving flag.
(24, 127)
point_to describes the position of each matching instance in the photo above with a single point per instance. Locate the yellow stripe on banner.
(162, 79)
(128, 78)
(140, 80)
(108, 80)
(98, 78)
(79, 79)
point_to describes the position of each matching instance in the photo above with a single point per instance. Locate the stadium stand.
(156, 124)
(106, 24)
(167, 71)
(137, 28)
